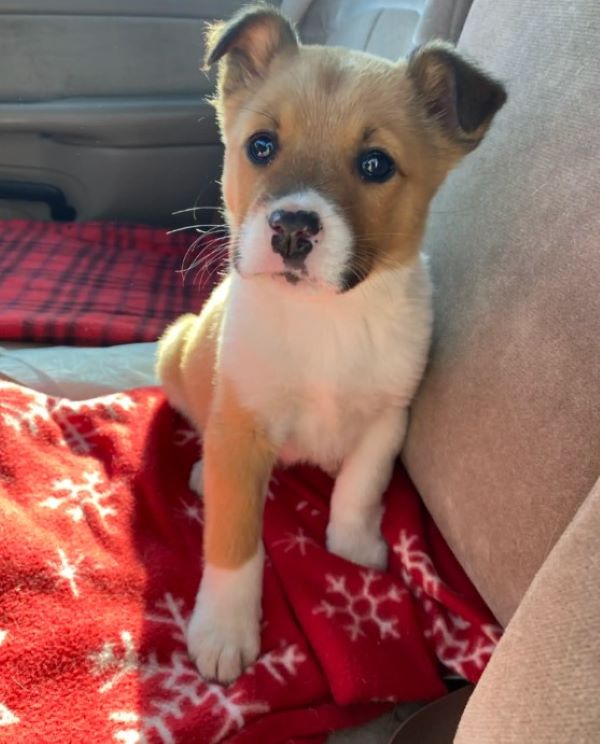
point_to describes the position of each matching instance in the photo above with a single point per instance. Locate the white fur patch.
(354, 529)
(325, 264)
(223, 635)
(196, 480)
(319, 370)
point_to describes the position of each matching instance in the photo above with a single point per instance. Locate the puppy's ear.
(246, 45)
(457, 96)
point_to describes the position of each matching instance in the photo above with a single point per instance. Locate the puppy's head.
(332, 156)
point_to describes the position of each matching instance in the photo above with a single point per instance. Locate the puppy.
(312, 347)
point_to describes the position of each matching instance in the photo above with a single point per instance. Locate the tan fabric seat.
(505, 437)
(543, 683)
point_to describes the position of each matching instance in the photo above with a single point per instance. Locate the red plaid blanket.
(100, 558)
(95, 284)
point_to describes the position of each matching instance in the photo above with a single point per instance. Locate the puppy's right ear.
(246, 46)
(456, 95)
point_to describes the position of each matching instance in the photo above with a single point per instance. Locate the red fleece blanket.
(100, 559)
(94, 284)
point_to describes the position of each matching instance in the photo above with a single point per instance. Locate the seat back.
(504, 441)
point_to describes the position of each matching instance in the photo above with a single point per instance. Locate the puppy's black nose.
(292, 232)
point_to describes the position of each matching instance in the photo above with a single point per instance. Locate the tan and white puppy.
(312, 347)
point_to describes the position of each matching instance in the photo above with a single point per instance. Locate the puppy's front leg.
(354, 530)
(224, 632)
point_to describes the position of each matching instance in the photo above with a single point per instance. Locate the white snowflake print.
(76, 497)
(79, 432)
(131, 720)
(295, 540)
(301, 505)
(493, 631)
(109, 406)
(7, 717)
(191, 510)
(230, 707)
(179, 678)
(455, 653)
(66, 570)
(446, 630)
(26, 417)
(169, 611)
(78, 435)
(280, 661)
(182, 688)
(120, 662)
(270, 493)
(415, 560)
(186, 435)
(178, 686)
(136, 728)
(363, 608)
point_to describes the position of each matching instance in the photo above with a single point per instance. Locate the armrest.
(543, 682)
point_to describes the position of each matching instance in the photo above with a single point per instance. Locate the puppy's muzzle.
(293, 234)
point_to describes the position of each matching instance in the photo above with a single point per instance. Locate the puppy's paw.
(195, 482)
(222, 645)
(223, 635)
(357, 545)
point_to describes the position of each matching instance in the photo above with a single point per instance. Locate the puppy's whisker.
(205, 258)
(182, 229)
(214, 272)
(188, 253)
(215, 233)
(194, 227)
(207, 273)
(197, 209)
(214, 236)
(212, 258)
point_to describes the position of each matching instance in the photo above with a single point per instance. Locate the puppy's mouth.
(296, 279)
(291, 277)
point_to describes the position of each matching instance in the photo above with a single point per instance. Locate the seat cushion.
(543, 684)
(505, 436)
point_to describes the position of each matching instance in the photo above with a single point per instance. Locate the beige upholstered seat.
(505, 436)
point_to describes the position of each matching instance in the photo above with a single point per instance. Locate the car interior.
(107, 137)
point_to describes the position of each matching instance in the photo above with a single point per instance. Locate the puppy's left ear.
(247, 45)
(458, 97)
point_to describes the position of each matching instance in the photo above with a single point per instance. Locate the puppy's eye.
(375, 165)
(261, 148)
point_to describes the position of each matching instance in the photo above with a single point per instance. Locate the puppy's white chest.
(323, 427)
(317, 373)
